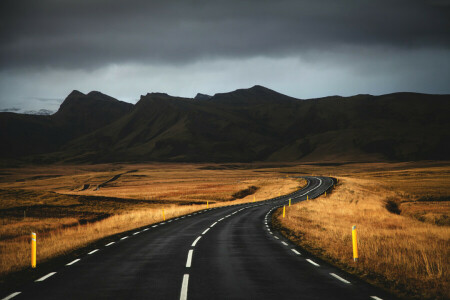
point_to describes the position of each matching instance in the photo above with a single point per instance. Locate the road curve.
(222, 253)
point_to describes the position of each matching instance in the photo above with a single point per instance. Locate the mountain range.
(254, 124)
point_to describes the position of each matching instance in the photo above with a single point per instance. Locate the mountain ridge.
(255, 124)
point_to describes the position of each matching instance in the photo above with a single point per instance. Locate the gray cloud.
(89, 34)
(301, 48)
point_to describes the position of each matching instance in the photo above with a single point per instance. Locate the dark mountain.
(253, 124)
(79, 114)
(200, 96)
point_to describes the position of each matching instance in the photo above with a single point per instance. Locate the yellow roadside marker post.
(164, 216)
(284, 210)
(253, 198)
(33, 250)
(307, 197)
(207, 204)
(289, 201)
(325, 194)
(355, 244)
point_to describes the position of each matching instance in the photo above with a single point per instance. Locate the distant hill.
(255, 124)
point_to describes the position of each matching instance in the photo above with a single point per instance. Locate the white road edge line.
(196, 240)
(184, 287)
(375, 298)
(72, 262)
(189, 259)
(109, 244)
(295, 251)
(11, 296)
(93, 251)
(45, 277)
(313, 263)
(340, 278)
(205, 231)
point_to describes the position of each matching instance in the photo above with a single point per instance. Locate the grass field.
(402, 216)
(401, 210)
(71, 206)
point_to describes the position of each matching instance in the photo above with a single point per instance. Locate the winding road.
(223, 253)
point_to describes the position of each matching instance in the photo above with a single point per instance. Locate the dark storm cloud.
(89, 34)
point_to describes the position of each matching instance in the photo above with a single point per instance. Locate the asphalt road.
(223, 253)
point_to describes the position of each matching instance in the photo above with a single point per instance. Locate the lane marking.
(162, 223)
(11, 296)
(125, 237)
(72, 262)
(169, 221)
(45, 277)
(137, 232)
(375, 298)
(93, 251)
(196, 240)
(184, 287)
(295, 251)
(284, 243)
(213, 224)
(276, 237)
(109, 244)
(220, 219)
(313, 263)
(145, 229)
(189, 259)
(340, 278)
(155, 226)
(205, 231)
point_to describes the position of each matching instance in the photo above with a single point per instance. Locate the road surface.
(223, 253)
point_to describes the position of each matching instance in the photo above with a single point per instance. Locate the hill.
(255, 124)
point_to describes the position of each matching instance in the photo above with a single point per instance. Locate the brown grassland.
(402, 216)
(401, 211)
(71, 206)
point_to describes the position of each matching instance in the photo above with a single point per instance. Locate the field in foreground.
(71, 206)
(402, 215)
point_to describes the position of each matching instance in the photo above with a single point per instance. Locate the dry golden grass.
(49, 201)
(400, 252)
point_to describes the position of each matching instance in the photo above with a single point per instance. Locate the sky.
(305, 49)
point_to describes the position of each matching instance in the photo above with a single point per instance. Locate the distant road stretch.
(221, 253)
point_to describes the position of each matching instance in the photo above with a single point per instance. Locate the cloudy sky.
(301, 48)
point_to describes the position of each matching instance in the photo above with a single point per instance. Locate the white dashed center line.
(93, 251)
(189, 258)
(72, 262)
(205, 231)
(137, 232)
(125, 237)
(284, 243)
(184, 287)
(375, 298)
(11, 296)
(45, 277)
(155, 226)
(196, 240)
(109, 244)
(213, 224)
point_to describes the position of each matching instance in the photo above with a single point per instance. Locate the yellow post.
(284, 210)
(325, 194)
(253, 198)
(289, 201)
(33, 250)
(207, 204)
(307, 197)
(164, 216)
(355, 244)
